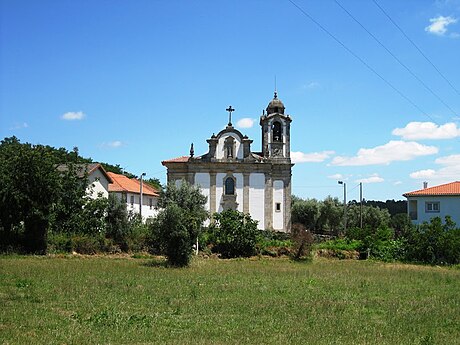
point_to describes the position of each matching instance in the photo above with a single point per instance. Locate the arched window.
(277, 131)
(229, 186)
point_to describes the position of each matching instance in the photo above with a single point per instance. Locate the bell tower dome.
(276, 131)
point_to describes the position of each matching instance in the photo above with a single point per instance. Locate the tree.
(306, 212)
(28, 191)
(234, 234)
(179, 222)
(116, 219)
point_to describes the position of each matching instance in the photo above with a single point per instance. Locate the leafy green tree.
(116, 218)
(173, 231)
(28, 191)
(373, 217)
(306, 212)
(331, 214)
(179, 223)
(68, 212)
(234, 234)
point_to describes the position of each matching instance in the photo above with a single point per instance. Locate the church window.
(278, 207)
(132, 200)
(150, 203)
(277, 131)
(229, 186)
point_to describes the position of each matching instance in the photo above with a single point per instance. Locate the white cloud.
(315, 157)
(395, 150)
(448, 160)
(423, 174)
(336, 177)
(427, 130)
(439, 25)
(73, 115)
(449, 172)
(20, 125)
(374, 178)
(245, 123)
(116, 143)
(113, 144)
(311, 85)
(397, 183)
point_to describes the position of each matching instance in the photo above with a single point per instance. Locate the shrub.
(302, 241)
(170, 228)
(86, 244)
(340, 244)
(234, 234)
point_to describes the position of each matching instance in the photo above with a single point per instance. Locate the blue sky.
(136, 82)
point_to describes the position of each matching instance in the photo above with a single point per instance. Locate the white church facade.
(232, 176)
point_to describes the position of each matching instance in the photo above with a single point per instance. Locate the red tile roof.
(452, 188)
(182, 159)
(121, 183)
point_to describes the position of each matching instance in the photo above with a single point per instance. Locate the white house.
(128, 190)
(437, 201)
(98, 178)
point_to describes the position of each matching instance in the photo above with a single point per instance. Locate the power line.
(396, 58)
(416, 47)
(361, 60)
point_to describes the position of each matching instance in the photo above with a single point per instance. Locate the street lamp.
(344, 205)
(140, 198)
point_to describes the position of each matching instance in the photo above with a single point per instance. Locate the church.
(232, 176)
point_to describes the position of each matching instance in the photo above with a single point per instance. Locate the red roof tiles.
(121, 183)
(452, 188)
(182, 159)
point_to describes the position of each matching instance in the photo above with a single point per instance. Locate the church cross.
(230, 110)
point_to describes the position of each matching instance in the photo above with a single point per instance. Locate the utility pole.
(344, 205)
(361, 204)
(140, 198)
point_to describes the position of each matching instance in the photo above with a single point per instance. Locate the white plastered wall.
(203, 180)
(239, 190)
(97, 185)
(220, 152)
(257, 198)
(278, 197)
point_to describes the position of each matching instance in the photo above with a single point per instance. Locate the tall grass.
(89, 300)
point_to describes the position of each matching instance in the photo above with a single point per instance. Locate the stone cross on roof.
(230, 110)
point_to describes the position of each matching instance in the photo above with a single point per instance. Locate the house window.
(150, 203)
(278, 207)
(132, 200)
(432, 206)
(277, 131)
(229, 186)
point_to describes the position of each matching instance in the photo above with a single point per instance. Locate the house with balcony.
(438, 201)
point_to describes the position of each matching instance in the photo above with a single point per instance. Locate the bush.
(86, 244)
(170, 228)
(302, 241)
(234, 234)
(340, 244)
(434, 243)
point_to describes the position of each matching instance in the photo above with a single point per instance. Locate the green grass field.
(102, 300)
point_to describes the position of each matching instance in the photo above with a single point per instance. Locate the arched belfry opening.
(277, 131)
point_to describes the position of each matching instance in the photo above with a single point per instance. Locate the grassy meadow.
(124, 300)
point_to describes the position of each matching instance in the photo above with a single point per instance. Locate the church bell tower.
(276, 132)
